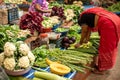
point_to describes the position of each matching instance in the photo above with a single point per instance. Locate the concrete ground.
(114, 73)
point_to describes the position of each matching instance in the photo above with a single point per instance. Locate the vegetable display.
(66, 41)
(76, 60)
(49, 22)
(40, 55)
(77, 10)
(87, 48)
(32, 21)
(57, 11)
(69, 13)
(11, 34)
(75, 28)
(16, 56)
(114, 7)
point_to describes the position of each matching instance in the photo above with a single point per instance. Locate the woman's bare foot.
(96, 71)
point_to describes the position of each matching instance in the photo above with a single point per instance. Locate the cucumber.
(48, 76)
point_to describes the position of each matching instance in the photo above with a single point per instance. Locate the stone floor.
(115, 72)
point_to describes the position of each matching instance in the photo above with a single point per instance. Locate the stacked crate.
(8, 15)
(3, 16)
(12, 14)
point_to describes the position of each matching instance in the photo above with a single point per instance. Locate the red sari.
(108, 27)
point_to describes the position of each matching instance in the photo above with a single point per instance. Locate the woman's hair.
(86, 18)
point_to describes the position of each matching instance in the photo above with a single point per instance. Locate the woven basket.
(33, 42)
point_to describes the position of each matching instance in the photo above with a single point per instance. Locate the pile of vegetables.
(16, 56)
(40, 55)
(76, 7)
(69, 13)
(57, 11)
(114, 7)
(75, 60)
(49, 22)
(77, 10)
(67, 41)
(87, 48)
(32, 21)
(75, 28)
(75, 34)
(11, 33)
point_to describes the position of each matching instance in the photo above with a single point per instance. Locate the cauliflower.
(24, 49)
(1, 58)
(50, 21)
(9, 49)
(69, 13)
(9, 63)
(31, 57)
(24, 62)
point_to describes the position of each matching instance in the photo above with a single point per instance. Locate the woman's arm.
(87, 35)
(84, 34)
(38, 8)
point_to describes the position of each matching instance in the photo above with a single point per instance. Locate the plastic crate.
(13, 14)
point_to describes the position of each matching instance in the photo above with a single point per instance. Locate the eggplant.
(73, 39)
(65, 39)
(71, 42)
(66, 45)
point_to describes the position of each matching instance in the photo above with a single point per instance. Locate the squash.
(50, 62)
(59, 69)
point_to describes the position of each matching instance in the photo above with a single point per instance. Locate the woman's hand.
(77, 45)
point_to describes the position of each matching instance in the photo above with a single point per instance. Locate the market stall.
(42, 47)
